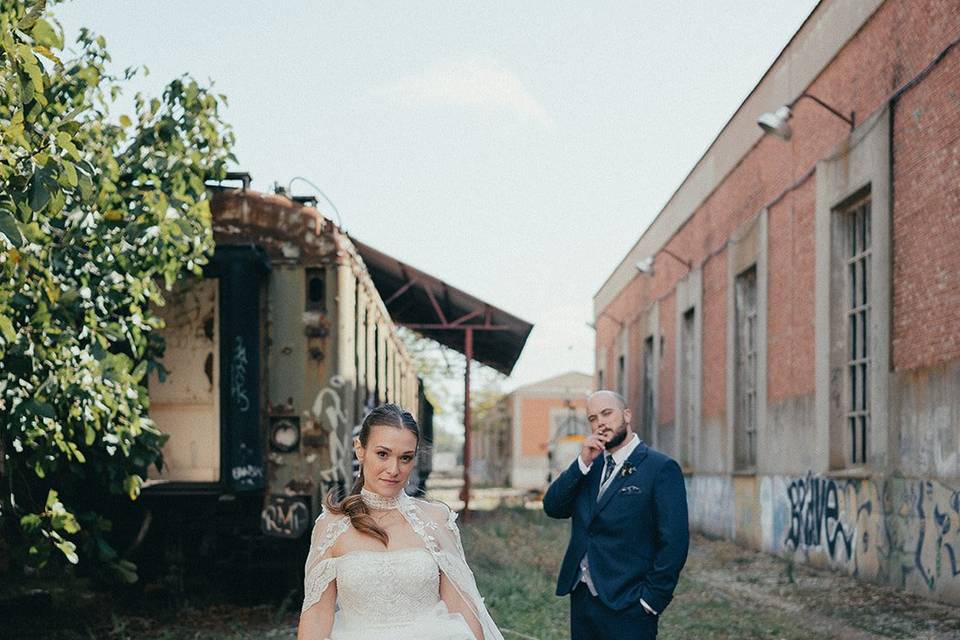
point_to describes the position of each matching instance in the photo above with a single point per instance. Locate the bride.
(385, 565)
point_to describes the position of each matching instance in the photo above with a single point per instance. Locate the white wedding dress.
(395, 595)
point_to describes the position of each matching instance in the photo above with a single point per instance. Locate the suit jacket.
(636, 536)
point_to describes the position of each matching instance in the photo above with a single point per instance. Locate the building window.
(857, 241)
(688, 405)
(745, 443)
(648, 390)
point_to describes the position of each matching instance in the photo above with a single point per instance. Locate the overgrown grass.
(725, 593)
(516, 555)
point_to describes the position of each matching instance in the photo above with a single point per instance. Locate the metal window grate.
(648, 390)
(746, 369)
(858, 329)
(688, 388)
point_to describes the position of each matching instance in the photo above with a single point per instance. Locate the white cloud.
(479, 83)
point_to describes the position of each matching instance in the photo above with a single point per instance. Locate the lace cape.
(434, 523)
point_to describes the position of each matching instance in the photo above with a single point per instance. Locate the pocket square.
(632, 490)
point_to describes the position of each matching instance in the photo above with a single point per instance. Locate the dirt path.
(828, 604)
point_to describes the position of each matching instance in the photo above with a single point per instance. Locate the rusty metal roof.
(442, 312)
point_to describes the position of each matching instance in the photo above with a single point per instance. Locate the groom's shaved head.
(606, 393)
(608, 415)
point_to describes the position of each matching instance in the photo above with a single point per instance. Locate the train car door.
(210, 401)
(186, 405)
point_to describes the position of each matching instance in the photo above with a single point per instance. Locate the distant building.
(788, 327)
(547, 422)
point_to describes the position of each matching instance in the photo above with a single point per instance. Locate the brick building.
(788, 327)
(548, 421)
(526, 438)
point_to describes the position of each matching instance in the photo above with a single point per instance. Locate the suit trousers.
(590, 619)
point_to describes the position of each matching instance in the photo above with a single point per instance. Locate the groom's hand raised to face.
(594, 445)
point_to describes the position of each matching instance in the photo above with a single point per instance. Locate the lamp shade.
(776, 123)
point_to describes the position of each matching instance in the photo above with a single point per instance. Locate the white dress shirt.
(619, 457)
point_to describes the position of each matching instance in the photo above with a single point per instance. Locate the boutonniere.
(627, 470)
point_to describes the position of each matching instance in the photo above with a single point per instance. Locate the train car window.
(316, 289)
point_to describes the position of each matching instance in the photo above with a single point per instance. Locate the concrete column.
(860, 166)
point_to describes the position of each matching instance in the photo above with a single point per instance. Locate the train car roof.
(414, 298)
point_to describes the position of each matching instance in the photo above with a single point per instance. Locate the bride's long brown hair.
(385, 415)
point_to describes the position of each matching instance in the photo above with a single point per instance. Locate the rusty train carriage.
(273, 358)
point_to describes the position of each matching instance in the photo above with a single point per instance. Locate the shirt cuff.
(648, 607)
(584, 468)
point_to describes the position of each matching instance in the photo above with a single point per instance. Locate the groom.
(629, 536)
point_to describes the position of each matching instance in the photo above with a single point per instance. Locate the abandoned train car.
(272, 358)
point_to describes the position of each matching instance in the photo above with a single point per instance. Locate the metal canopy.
(442, 313)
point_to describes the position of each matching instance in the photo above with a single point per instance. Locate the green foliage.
(96, 219)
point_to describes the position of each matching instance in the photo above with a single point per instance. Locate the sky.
(516, 150)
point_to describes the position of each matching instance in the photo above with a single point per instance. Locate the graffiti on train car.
(328, 410)
(246, 474)
(329, 404)
(285, 517)
(238, 375)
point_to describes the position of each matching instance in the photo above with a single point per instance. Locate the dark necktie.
(608, 470)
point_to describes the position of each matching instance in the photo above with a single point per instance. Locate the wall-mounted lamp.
(593, 325)
(646, 265)
(776, 122)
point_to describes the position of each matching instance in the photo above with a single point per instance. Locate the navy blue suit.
(636, 537)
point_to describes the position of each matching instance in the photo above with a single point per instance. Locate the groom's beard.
(618, 437)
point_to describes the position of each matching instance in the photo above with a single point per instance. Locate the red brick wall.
(926, 224)
(897, 42)
(790, 294)
(714, 354)
(636, 334)
(625, 311)
(668, 359)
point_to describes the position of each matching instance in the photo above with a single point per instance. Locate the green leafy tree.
(98, 215)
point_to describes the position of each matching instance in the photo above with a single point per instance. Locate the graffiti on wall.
(817, 513)
(899, 531)
(931, 513)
